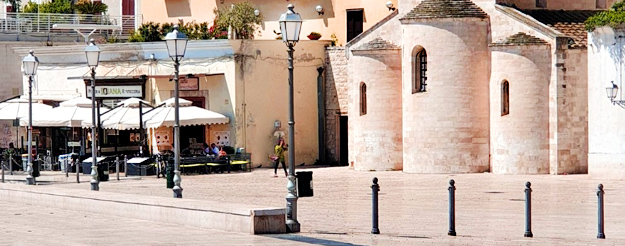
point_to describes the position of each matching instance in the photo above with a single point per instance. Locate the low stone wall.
(205, 214)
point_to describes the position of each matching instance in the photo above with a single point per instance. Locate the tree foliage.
(612, 18)
(240, 17)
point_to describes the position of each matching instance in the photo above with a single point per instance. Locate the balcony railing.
(43, 22)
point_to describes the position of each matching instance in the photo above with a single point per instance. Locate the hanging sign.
(73, 144)
(116, 91)
(189, 84)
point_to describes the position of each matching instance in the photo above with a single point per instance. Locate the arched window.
(505, 98)
(420, 68)
(363, 98)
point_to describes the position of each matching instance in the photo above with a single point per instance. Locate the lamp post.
(176, 47)
(290, 26)
(93, 58)
(30, 63)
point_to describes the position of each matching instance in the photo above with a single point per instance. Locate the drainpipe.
(321, 109)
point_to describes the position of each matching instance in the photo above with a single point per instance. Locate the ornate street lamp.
(93, 58)
(611, 91)
(30, 63)
(290, 26)
(176, 47)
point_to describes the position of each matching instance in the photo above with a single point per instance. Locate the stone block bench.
(200, 213)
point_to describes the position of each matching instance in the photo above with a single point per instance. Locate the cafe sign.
(189, 84)
(116, 91)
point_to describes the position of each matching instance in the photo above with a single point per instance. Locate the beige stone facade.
(457, 125)
(520, 137)
(375, 110)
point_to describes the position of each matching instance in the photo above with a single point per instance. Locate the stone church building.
(466, 86)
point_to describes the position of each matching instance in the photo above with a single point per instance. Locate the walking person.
(279, 157)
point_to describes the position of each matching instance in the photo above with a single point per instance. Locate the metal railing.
(43, 22)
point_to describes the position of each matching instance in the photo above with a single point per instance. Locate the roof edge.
(370, 30)
(529, 21)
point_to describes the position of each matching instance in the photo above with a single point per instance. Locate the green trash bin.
(169, 170)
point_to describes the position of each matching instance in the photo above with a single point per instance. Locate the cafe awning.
(125, 110)
(17, 108)
(164, 116)
(70, 113)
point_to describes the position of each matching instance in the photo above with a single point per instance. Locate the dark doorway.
(128, 7)
(355, 19)
(343, 156)
(193, 135)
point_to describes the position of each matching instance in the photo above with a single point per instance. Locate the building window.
(505, 98)
(600, 4)
(541, 3)
(420, 68)
(355, 20)
(363, 98)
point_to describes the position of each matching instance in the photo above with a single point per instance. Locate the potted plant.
(90, 7)
(314, 36)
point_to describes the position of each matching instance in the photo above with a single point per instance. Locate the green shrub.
(612, 18)
(147, 32)
(57, 7)
(31, 7)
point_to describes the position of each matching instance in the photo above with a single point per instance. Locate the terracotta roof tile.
(520, 39)
(568, 22)
(445, 9)
(377, 44)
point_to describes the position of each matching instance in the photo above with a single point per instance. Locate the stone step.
(199, 213)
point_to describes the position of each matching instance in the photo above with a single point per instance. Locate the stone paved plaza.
(413, 210)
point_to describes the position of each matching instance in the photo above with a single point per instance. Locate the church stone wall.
(520, 140)
(375, 138)
(336, 98)
(446, 129)
(573, 113)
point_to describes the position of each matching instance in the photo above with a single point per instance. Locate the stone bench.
(200, 213)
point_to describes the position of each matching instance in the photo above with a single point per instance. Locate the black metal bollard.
(78, 164)
(10, 164)
(2, 163)
(528, 210)
(117, 167)
(66, 163)
(125, 166)
(452, 208)
(374, 199)
(600, 193)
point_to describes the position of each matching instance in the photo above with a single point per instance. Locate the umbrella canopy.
(189, 115)
(70, 113)
(127, 109)
(18, 108)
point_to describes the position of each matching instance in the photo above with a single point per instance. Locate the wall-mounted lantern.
(319, 10)
(389, 5)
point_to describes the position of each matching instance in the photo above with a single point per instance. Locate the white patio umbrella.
(70, 113)
(18, 108)
(127, 109)
(189, 115)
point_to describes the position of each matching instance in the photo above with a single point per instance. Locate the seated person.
(207, 150)
(186, 151)
(222, 152)
(214, 149)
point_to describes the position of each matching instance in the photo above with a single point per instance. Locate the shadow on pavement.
(311, 240)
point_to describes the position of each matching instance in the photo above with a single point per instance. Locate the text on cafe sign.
(116, 91)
